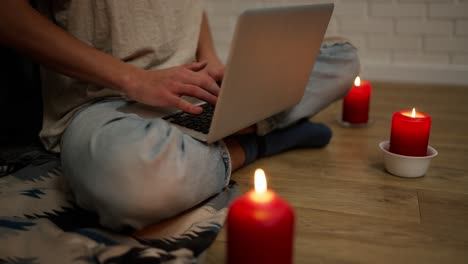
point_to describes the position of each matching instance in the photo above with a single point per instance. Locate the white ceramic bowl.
(406, 166)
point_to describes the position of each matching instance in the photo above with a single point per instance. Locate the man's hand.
(215, 69)
(164, 88)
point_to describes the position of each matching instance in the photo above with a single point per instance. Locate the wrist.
(128, 80)
(208, 57)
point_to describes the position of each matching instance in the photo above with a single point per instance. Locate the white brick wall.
(399, 40)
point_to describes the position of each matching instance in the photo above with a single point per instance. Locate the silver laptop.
(271, 57)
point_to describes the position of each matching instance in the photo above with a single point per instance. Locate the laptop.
(269, 64)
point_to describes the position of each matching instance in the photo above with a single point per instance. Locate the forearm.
(33, 34)
(206, 49)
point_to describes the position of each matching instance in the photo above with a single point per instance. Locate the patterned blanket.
(40, 223)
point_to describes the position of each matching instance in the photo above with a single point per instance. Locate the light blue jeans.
(134, 171)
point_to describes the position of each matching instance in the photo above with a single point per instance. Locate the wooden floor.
(349, 210)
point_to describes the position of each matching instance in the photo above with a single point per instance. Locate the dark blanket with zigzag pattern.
(40, 223)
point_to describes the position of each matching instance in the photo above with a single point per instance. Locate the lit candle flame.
(261, 194)
(413, 113)
(260, 181)
(357, 81)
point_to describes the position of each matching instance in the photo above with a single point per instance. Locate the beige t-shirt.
(150, 34)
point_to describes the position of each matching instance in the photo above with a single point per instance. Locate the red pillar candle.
(260, 227)
(356, 103)
(410, 133)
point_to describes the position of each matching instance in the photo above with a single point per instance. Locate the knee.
(339, 50)
(128, 188)
(338, 60)
(141, 204)
(124, 192)
(137, 178)
(97, 182)
(339, 56)
(147, 198)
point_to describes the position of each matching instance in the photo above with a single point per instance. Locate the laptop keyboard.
(200, 123)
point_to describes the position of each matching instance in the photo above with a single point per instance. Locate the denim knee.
(338, 60)
(336, 66)
(134, 173)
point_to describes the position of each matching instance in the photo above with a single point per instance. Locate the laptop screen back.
(272, 55)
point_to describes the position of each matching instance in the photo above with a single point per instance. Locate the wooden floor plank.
(342, 196)
(366, 167)
(341, 238)
(350, 210)
(445, 209)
